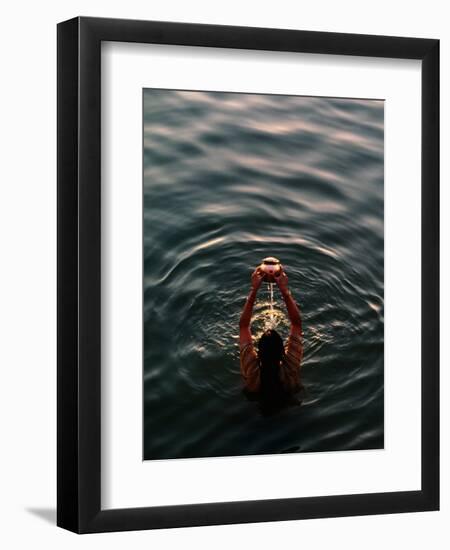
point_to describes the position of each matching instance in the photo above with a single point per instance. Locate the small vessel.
(271, 267)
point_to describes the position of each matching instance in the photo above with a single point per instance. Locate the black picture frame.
(79, 280)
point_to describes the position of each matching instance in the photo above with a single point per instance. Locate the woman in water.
(272, 372)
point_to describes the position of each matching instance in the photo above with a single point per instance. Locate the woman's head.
(270, 348)
(270, 354)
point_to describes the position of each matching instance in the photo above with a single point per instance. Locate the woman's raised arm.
(245, 335)
(292, 308)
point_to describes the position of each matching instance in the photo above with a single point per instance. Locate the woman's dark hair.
(270, 354)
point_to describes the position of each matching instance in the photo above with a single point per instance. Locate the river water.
(228, 180)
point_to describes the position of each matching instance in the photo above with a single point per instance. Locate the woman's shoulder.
(249, 367)
(294, 348)
(247, 351)
(290, 371)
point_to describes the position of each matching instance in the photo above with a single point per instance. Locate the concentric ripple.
(228, 180)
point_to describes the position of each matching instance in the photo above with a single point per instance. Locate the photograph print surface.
(263, 279)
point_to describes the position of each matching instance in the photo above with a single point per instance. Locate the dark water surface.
(228, 180)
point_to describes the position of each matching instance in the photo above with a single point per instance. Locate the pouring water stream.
(271, 313)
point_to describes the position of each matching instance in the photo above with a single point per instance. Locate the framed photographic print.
(248, 292)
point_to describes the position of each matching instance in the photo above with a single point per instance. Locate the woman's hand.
(246, 315)
(257, 277)
(282, 280)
